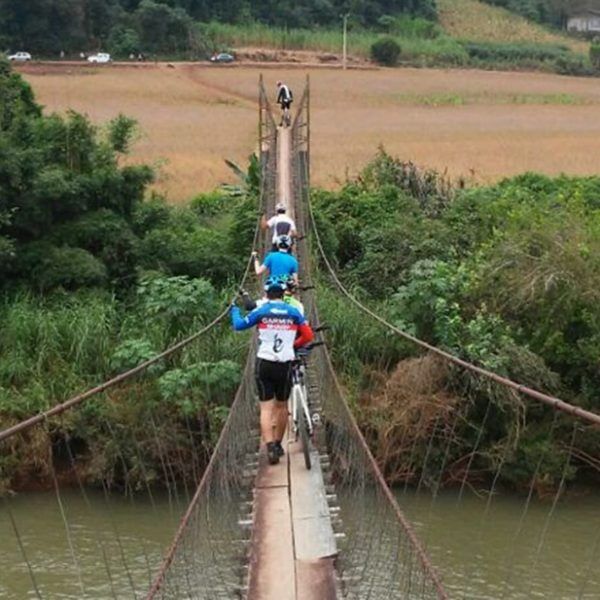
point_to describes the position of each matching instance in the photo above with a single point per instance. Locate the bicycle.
(286, 117)
(303, 421)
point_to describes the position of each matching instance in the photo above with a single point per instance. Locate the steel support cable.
(552, 401)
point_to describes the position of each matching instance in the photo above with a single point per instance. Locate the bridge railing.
(208, 555)
(381, 556)
(440, 448)
(151, 463)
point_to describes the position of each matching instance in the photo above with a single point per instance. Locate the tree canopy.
(51, 26)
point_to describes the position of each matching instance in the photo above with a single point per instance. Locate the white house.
(585, 21)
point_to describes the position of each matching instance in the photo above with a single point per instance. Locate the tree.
(162, 28)
(66, 206)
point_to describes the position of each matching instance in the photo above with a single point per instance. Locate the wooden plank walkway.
(293, 544)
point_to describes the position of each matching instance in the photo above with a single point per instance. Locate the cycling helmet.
(280, 207)
(284, 242)
(275, 283)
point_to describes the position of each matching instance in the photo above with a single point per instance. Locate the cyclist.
(281, 329)
(284, 99)
(278, 263)
(280, 223)
(289, 296)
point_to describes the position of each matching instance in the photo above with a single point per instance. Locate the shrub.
(178, 301)
(70, 268)
(595, 54)
(514, 52)
(573, 64)
(386, 51)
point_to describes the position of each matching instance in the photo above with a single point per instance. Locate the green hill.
(477, 21)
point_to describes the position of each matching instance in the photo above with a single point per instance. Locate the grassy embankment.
(469, 33)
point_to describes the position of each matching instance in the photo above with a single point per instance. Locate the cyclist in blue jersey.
(281, 329)
(279, 263)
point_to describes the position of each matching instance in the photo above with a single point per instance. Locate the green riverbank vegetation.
(97, 275)
(505, 277)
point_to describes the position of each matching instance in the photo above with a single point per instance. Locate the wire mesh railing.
(461, 457)
(381, 556)
(105, 477)
(208, 555)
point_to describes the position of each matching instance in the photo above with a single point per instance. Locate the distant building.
(585, 21)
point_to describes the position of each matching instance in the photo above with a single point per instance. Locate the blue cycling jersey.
(281, 264)
(277, 324)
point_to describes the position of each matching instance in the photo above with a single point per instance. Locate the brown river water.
(480, 550)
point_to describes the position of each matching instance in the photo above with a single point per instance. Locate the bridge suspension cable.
(138, 458)
(439, 448)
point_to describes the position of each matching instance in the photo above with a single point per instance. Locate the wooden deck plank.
(315, 580)
(272, 570)
(271, 475)
(311, 521)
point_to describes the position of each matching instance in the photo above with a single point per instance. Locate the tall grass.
(424, 51)
(257, 35)
(53, 347)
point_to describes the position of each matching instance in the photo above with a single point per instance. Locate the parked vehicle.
(20, 57)
(223, 57)
(100, 58)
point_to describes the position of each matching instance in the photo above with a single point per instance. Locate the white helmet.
(280, 207)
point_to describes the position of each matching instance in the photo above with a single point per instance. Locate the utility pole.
(345, 41)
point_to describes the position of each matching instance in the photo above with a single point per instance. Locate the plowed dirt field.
(479, 124)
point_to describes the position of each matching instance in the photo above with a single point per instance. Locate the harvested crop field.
(480, 124)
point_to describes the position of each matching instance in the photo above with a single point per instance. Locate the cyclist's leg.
(282, 394)
(266, 396)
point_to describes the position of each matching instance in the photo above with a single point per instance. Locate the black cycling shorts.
(273, 380)
(286, 104)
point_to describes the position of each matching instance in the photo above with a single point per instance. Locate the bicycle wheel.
(304, 439)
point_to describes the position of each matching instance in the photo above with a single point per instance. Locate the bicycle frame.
(299, 398)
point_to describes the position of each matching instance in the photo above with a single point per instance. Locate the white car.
(20, 57)
(101, 57)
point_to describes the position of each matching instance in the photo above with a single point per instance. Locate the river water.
(510, 549)
(103, 532)
(480, 550)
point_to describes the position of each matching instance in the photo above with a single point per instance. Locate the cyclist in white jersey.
(281, 329)
(279, 224)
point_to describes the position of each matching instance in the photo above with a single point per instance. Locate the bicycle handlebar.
(323, 327)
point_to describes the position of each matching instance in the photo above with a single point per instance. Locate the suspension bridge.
(283, 532)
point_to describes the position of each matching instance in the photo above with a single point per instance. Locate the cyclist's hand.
(254, 254)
